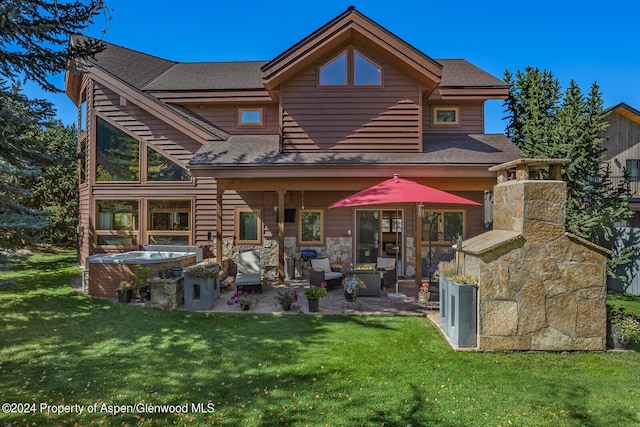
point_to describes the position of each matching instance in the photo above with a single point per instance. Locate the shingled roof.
(149, 73)
(439, 149)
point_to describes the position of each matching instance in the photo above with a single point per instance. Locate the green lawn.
(60, 347)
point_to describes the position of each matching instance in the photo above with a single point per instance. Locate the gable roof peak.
(350, 26)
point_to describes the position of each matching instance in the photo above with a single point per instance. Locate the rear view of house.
(240, 155)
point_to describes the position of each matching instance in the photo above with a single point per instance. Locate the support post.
(219, 194)
(281, 236)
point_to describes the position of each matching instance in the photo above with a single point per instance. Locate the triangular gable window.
(366, 72)
(350, 68)
(160, 168)
(335, 72)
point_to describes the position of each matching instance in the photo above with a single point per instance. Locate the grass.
(58, 347)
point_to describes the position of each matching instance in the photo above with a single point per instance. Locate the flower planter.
(424, 296)
(124, 296)
(349, 297)
(314, 305)
(200, 292)
(458, 313)
(176, 271)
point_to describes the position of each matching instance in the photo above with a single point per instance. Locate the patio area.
(334, 302)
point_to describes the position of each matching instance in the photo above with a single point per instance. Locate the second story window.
(335, 71)
(117, 154)
(446, 116)
(82, 127)
(365, 71)
(253, 116)
(350, 68)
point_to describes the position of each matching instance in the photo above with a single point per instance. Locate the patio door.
(367, 236)
(378, 233)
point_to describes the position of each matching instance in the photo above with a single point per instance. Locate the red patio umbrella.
(398, 190)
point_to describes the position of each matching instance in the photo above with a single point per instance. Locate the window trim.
(149, 231)
(136, 233)
(259, 227)
(241, 123)
(437, 109)
(322, 220)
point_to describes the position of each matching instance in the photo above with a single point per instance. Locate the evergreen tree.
(34, 37)
(543, 122)
(21, 157)
(34, 45)
(55, 191)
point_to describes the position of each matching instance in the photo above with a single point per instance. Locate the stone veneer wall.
(338, 250)
(547, 296)
(546, 289)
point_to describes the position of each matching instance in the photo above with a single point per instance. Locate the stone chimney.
(539, 287)
(535, 208)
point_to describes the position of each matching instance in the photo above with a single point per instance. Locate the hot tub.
(106, 271)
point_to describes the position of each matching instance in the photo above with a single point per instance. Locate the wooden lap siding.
(471, 117)
(225, 117)
(348, 118)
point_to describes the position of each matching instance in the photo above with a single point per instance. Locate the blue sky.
(585, 41)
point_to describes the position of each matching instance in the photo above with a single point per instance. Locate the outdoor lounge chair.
(321, 272)
(248, 275)
(388, 267)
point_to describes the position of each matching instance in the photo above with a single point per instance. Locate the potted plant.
(423, 292)
(125, 291)
(165, 270)
(350, 286)
(208, 271)
(176, 271)
(139, 278)
(287, 299)
(244, 299)
(314, 293)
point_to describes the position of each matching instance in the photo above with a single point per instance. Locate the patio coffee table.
(371, 278)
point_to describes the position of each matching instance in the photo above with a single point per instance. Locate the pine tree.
(55, 191)
(34, 45)
(34, 37)
(543, 122)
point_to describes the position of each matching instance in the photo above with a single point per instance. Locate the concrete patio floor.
(334, 302)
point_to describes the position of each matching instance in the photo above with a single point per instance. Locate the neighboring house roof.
(625, 111)
(439, 149)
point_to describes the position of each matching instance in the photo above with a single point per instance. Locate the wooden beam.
(346, 184)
